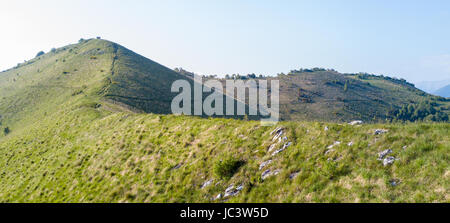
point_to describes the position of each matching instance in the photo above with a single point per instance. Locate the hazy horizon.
(404, 39)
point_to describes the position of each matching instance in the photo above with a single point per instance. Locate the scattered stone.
(207, 183)
(404, 147)
(357, 122)
(277, 136)
(287, 145)
(219, 196)
(326, 128)
(380, 131)
(394, 182)
(350, 144)
(388, 160)
(278, 151)
(178, 166)
(269, 173)
(329, 151)
(272, 147)
(335, 144)
(277, 130)
(293, 175)
(285, 138)
(334, 159)
(231, 191)
(383, 154)
(264, 164)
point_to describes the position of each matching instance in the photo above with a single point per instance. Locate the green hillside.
(326, 95)
(87, 123)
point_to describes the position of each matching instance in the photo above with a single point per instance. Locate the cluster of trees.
(315, 69)
(424, 111)
(401, 81)
(243, 77)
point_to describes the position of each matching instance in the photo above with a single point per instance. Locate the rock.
(404, 147)
(388, 160)
(350, 144)
(206, 184)
(380, 131)
(326, 128)
(272, 147)
(269, 173)
(329, 151)
(357, 122)
(276, 131)
(293, 175)
(277, 136)
(285, 138)
(231, 191)
(287, 145)
(264, 164)
(394, 182)
(335, 144)
(383, 154)
(178, 166)
(278, 151)
(219, 196)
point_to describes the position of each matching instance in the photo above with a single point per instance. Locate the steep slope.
(443, 92)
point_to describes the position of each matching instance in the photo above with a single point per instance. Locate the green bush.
(6, 130)
(227, 167)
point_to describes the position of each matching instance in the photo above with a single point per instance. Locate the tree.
(40, 53)
(346, 86)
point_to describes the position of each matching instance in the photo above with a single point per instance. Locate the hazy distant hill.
(443, 92)
(432, 86)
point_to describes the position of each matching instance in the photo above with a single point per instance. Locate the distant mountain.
(432, 86)
(443, 92)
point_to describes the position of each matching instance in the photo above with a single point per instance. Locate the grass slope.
(86, 154)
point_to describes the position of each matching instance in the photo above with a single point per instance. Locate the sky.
(403, 39)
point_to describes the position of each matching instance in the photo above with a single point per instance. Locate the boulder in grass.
(388, 160)
(380, 131)
(383, 154)
(357, 122)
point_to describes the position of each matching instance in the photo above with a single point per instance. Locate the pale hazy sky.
(408, 39)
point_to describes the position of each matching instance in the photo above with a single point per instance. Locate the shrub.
(227, 167)
(6, 130)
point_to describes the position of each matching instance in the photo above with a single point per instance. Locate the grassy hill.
(78, 132)
(326, 95)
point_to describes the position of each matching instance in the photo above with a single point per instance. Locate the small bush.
(6, 130)
(227, 167)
